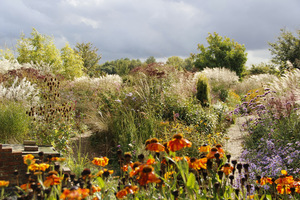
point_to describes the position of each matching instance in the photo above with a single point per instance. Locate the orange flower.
(73, 194)
(283, 189)
(84, 192)
(25, 187)
(38, 167)
(156, 147)
(4, 183)
(29, 159)
(34, 167)
(125, 168)
(178, 142)
(43, 166)
(212, 153)
(102, 161)
(52, 179)
(264, 180)
(220, 150)
(296, 185)
(147, 176)
(58, 159)
(284, 180)
(150, 161)
(95, 189)
(131, 189)
(197, 163)
(121, 194)
(204, 148)
(227, 169)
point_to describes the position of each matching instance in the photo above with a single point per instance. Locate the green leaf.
(269, 197)
(100, 182)
(191, 181)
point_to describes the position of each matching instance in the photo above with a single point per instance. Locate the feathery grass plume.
(104, 82)
(6, 65)
(182, 85)
(220, 76)
(254, 82)
(289, 83)
(21, 91)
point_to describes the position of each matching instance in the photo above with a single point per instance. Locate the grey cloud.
(139, 29)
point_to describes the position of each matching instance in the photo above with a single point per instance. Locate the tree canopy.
(221, 52)
(89, 56)
(286, 49)
(41, 49)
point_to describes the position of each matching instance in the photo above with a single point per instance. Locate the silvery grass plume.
(22, 91)
(7, 65)
(254, 82)
(183, 86)
(288, 84)
(219, 76)
(105, 83)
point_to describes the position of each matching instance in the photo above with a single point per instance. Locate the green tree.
(150, 60)
(89, 56)
(286, 49)
(120, 66)
(39, 49)
(221, 52)
(72, 63)
(176, 62)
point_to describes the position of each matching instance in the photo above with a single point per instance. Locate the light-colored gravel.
(234, 144)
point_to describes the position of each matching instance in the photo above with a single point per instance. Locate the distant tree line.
(84, 58)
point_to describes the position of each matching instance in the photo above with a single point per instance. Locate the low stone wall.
(11, 159)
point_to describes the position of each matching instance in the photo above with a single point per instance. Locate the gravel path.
(234, 144)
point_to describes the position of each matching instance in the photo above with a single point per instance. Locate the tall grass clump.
(203, 91)
(14, 122)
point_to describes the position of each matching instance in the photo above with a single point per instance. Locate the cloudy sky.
(137, 29)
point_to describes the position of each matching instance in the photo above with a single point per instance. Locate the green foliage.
(221, 52)
(203, 91)
(14, 123)
(72, 63)
(89, 56)
(150, 60)
(7, 54)
(286, 49)
(262, 68)
(38, 49)
(176, 62)
(121, 66)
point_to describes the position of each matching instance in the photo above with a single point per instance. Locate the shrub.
(14, 123)
(203, 91)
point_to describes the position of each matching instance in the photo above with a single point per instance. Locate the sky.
(137, 29)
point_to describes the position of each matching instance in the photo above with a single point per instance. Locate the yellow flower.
(44, 166)
(33, 167)
(103, 161)
(205, 148)
(4, 183)
(28, 159)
